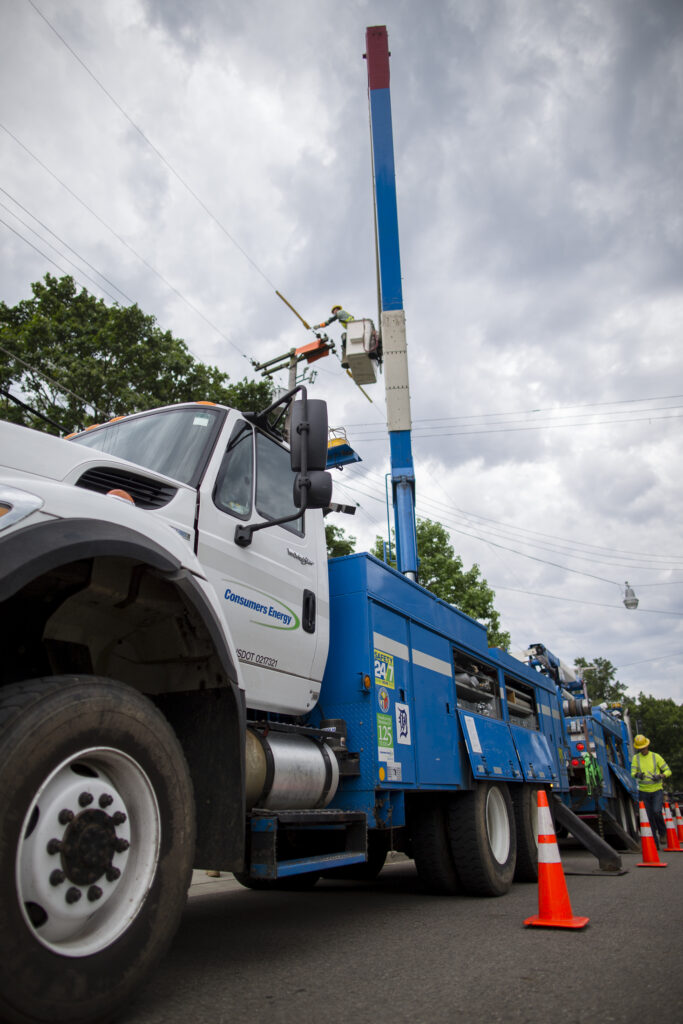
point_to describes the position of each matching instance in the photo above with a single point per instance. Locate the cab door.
(268, 589)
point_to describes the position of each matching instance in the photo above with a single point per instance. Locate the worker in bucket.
(650, 770)
(337, 314)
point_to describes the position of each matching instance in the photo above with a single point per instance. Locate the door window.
(234, 484)
(275, 483)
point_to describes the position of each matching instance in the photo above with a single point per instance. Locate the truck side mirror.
(315, 437)
(314, 490)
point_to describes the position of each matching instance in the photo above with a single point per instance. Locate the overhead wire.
(62, 255)
(64, 243)
(527, 412)
(158, 152)
(562, 544)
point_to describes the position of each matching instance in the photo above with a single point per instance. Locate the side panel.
(436, 728)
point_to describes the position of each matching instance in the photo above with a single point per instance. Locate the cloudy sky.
(195, 157)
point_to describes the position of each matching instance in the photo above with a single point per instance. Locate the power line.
(54, 248)
(158, 153)
(39, 373)
(526, 412)
(369, 439)
(563, 545)
(125, 243)
(63, 242)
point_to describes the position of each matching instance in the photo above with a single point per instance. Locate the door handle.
(308, 612)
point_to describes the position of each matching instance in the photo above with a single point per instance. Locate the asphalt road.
(387, 952)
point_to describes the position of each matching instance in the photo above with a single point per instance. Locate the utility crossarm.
(392, 316)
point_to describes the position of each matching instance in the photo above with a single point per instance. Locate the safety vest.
(651, 764)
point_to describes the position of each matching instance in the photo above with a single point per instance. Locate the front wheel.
(97, 820)
(483, 839)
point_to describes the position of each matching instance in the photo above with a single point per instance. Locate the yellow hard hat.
(335, 307)
(641, 741)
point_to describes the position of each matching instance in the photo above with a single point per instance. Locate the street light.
(630, 599)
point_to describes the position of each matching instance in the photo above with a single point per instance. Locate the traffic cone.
(679, 822)
(650, 855)
(672, 843)
(554, 909)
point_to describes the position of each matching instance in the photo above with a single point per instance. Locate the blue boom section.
(403, 487)
(391, 293)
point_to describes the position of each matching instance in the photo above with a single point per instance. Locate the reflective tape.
(548, 853)
(545, 822)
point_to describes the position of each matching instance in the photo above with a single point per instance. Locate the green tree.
(598, 676)
(338, 542)
(442, 572)
(77, 361)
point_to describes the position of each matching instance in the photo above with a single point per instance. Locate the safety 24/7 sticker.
(384, 669)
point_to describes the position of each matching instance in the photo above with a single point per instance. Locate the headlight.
(15, 505)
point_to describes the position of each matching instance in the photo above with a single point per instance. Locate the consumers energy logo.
(269, 612)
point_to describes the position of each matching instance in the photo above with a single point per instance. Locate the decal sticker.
(383, 698)
(471, 727)
(393, 771)
(254, 658)
(403, 724)
(384, 669)
(271, 613)
(385, 738)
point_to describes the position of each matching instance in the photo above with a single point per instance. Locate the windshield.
(175, 442)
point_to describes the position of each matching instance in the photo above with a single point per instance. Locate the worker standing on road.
(650, 770)
(337, 314)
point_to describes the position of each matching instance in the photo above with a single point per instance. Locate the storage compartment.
(476, 686)
(521, 703)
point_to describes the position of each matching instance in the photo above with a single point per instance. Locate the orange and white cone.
(650, 855)
(554, 908)
(672, 843)
(679, 822)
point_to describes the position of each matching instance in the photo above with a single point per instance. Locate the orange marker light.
(117, 492)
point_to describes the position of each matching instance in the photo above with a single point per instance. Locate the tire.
(290, 883)
(96, 847)
(483, 839)
(430, 845)
(525, 808)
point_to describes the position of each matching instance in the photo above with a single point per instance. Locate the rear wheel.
(431, 849)
(525, 806)
(97, 820)
(483, 839)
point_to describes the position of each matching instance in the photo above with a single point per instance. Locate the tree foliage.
(77, 361)
(660, 719)
(442, 572)
(338, 542)
(598, 676)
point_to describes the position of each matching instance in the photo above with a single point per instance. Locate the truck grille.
(145, 493)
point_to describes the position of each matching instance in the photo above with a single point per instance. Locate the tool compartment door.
(534, 755)
(490, 747)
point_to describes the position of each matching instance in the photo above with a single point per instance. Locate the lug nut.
(57, 877)
(94, 893)
(106, 799)
(118, 818)
(65, 816)
(54, 846)
(121, 845)
(85, 799)
(113, 874)
(73, 895)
